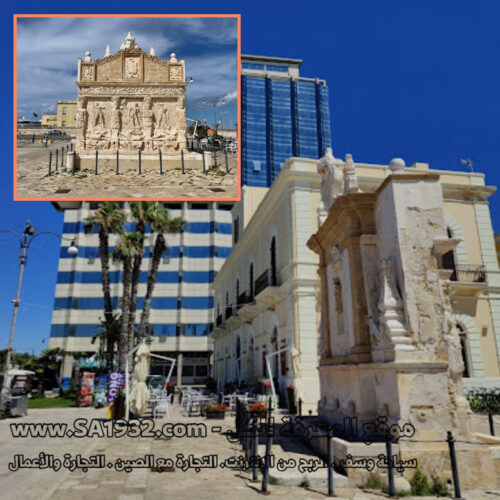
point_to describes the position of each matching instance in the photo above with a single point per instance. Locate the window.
(275, 67)
(256, 165)
(224, 206)
(199, 206)
(274, 271)
(465, 351)
(173, 206)
(64, 123)
(236, 230)
(187, 371)
(201, 370)
(248, 65)
(64, 110)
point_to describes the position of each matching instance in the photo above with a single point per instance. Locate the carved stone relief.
(175, 73)
(132, 67)
(87, 72)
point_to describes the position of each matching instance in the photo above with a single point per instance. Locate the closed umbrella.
(139, 393)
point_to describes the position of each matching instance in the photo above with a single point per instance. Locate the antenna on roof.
(468, 162)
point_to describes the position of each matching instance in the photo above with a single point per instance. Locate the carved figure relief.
(332, 178)
(99, 116)
(175, 73)
(163, 119)
(132, 67)
(87, 73)
(134, 115)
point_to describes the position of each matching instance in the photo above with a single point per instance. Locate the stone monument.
(389, 347)
(131, 101)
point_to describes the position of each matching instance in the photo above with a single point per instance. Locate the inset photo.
(127, 107)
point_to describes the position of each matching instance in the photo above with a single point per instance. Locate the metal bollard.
(454, 468)
(269, 411)
(267, 463)
(331, 492)
(71, 146)
(182, 160)
(73, 167)
(227, 162)
(203, 158)
(57, 158)
(62, 157)
(117, 162)
(300, 407)
(255, 451)
(161, 168)
(140, 166)
(50, 162)
(390, 470)
(492, 424)
(215, 158)
(96, 161)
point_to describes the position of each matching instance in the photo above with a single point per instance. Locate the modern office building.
(182, 302)
(283, 115)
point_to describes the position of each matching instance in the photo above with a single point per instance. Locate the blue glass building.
(282, 115)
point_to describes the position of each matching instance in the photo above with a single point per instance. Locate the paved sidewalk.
(144, 484)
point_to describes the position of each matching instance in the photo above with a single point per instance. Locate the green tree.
(141, 212)
(125, 250)
(160, 221)
(109, 218)
(51, 360)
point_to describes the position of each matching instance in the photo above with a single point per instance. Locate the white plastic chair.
(163, 407)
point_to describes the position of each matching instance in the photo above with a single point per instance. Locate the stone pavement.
(33, 180)
(144, 484)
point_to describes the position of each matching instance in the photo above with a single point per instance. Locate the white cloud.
(48, 50)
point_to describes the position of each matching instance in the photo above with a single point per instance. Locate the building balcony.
(469, 273)
(267, 289)
(468, 279)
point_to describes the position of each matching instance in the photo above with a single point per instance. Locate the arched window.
(448, 259)
(251, 287)
(274, 270)
(465, 350)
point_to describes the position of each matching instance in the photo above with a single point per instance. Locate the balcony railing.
(469, 273)
(243, 299)
(262, 282)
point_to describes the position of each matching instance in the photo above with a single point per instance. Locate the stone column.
(179, 369)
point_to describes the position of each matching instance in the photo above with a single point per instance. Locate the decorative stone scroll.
(130, 101)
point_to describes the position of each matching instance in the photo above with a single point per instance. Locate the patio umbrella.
(139, 393)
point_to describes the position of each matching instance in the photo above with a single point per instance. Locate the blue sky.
(418, 80)
(48, 50)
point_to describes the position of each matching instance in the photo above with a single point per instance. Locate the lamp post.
(25, 242)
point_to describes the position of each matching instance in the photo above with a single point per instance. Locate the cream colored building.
(265, 293)
(258, 310)
(66, 114)
(49, 120)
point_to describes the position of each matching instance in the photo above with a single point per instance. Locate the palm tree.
(125, 251)
(109, 217)
(160, 221)
(140, 212)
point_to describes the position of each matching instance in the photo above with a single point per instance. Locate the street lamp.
(25, 241)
